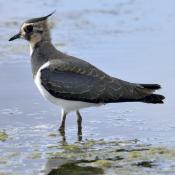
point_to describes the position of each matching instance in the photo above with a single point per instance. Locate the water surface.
(131, 39)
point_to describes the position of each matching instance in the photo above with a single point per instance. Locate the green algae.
(135, 155)
(71, 147)
(103, 163)
(52, 146)
(34, 155)
(163, 151)
(13, 154)
(3, 160)
(118, 157)
(3, 136)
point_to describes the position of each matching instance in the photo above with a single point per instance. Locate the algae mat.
(110, 158)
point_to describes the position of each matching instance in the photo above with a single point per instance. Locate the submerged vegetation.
(3, 136)
(73, 169)
(101, 157)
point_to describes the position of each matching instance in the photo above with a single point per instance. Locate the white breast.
(67, 105)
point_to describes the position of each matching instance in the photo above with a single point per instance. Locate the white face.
(32, 32)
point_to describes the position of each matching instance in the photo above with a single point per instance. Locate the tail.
(152, 98)
(132, 92)
(151, 86)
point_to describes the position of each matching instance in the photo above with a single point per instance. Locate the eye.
(28, 29)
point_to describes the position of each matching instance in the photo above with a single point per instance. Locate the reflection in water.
(74, 169)
(79, 134)
(62, 134)
(115, 157)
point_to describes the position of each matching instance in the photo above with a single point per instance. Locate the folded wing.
(83, 82)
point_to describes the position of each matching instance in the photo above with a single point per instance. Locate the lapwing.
(73, 83)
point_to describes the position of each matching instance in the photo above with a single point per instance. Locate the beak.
(17, 36)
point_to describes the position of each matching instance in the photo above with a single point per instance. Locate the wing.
(80, 81)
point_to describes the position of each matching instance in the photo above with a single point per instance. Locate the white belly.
(67, 105)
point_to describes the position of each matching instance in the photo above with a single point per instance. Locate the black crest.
(34, 20)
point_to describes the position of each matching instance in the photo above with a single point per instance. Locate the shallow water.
(130, 39)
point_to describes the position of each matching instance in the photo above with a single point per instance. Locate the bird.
(73, 83)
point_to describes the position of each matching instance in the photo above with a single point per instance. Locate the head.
(34, 30)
